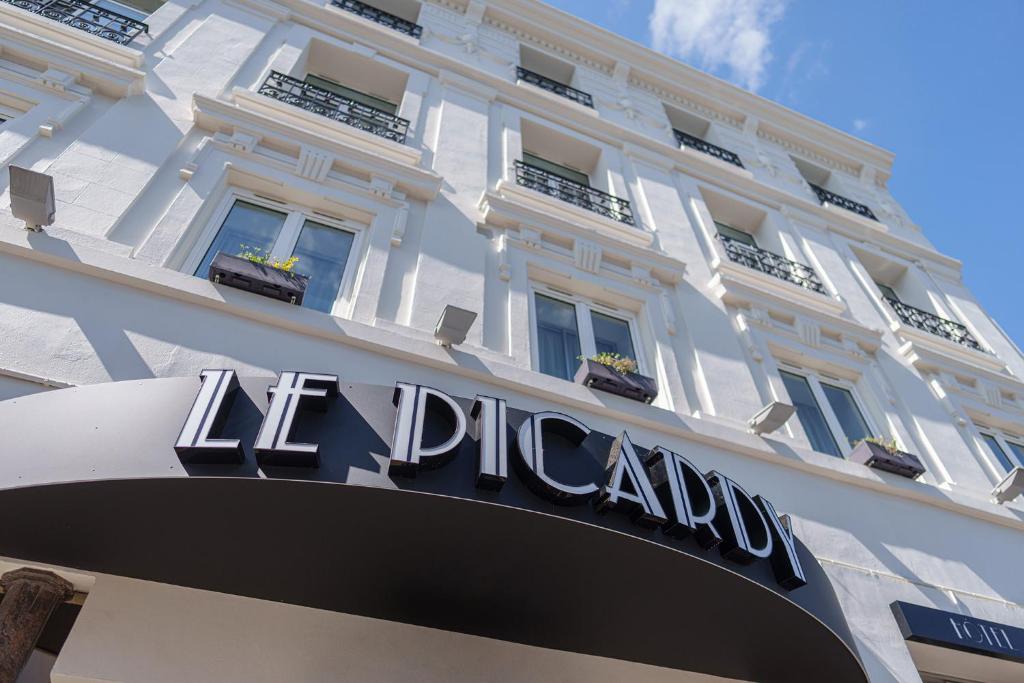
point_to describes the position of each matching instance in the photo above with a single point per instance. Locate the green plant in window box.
(889, 445)
(262, 257)
(615, 361)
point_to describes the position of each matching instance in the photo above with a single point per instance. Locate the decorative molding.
(382, 186)
(805, 152)
(547, 45)
(398, 230)
(313, 163)
(809, 331)
(587, 254)
(669, 312)
(686, 103)
(530, 237)
(243, 141)
(643, 277)
(58, 80)
(504, 268)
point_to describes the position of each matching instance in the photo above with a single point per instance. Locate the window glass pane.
(323, 252)
(360, 97)
(997, 450)
(127, 9)
(738, 235)
(557, 169)
(847, 412)
(558, 339)
(809, 414)
(887, 291)
(1018, 452)
(246, 225)
(611, 335)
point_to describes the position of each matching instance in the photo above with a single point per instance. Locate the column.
(30, 597)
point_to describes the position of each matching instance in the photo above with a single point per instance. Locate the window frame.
(814, 381)
(295, 217)
(1003, 439)
(584, 326)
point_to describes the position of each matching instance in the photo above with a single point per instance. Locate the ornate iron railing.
(325, 103)
(772, 264)
(687, 140)
(86, 17)
(554, 86)
(380, 16)
(826, 197)
(581, 195)
(929, 322)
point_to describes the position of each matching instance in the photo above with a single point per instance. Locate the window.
(354, 95)
(734, 234)
(1008, 453)
(556, 169)
(567, 329)
(887, 291)
(323, 250)
(829, 413)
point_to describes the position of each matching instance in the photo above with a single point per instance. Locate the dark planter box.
(240, 273)
(632, 385)
(897, 462)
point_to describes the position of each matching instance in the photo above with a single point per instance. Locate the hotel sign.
(309, 419)
(959, 632)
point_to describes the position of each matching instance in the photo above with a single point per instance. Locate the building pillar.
(30, 597)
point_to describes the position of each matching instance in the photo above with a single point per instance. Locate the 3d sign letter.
(196, 442)
(408, 453)
(746, 537)
(682, 488)
(492, 439)
(785, 561)
(640, 500)
(272, 444)
(530, 441)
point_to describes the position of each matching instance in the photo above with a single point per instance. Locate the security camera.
(771, 417)
(32, 198)
(1010, 487)
(453, 326)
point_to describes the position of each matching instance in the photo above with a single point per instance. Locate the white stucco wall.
(146, 142)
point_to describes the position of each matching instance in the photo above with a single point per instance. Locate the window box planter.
(881, 458)
(630, 385)
(240, 273)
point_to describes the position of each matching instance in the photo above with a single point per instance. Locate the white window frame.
(1003, 439)
(584, 326)
(296, 216)
(815, 380)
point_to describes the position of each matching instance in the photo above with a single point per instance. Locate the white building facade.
(580, 195)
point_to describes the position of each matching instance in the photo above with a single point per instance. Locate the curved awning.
(89, 480)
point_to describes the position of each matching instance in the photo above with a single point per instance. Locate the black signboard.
(959, 632)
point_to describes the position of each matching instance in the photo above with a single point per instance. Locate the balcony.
(580, 195)
(555, 87)
(325, 103)
(687, 140)
(772, 264)
(380, 16)
(86, 17)
(933, 324)
(826, 197)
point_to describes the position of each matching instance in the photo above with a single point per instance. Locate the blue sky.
(938, 82)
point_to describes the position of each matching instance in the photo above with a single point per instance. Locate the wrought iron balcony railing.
(929, 322)
(687, 140)
(581, 195)
(772, 264)
(326, 103)
(380, 16)
(562, 89)
(87, 17)
(826, 197)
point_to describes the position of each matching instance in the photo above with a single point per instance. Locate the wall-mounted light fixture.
(453, 326)
(771, 417)
(32, 198)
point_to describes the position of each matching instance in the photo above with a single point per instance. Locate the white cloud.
(713, 34)
(860, 124)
